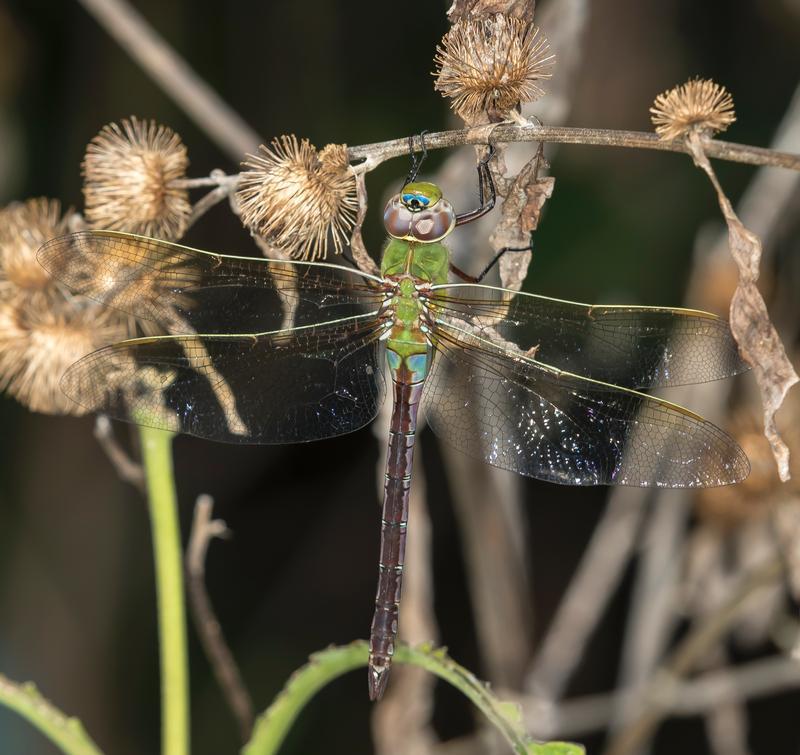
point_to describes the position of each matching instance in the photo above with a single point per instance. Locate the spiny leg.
(486, 191)
(416, 163)
(487, 202)
(505, 250)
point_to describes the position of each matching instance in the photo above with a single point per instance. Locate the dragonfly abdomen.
(408, 381)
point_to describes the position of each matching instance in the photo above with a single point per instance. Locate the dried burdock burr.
(698, 105)
(297, 198)
(491, 64)
(130, 173)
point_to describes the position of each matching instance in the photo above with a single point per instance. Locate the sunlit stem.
(168, 555)
(274, 724)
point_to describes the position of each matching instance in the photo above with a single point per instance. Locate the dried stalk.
(487, 504)
(583, 715)
(223, 664)
(652, 618)
(726, 723)
(223, 125)
(655, 703)
(579, 612)
(128, 470)
(224, 188)
(766, 201)
(375, 154)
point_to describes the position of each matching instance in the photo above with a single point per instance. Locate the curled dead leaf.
(759, 343)
(521, 212)
(470, 8)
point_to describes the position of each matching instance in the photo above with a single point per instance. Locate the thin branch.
(378, 152)
(224, 186)
(494, 559)
(652, 617)
(128, 470)
(204, 529)
(765, 203)
(596, 579)
(375, 154)
(222, 124)
(215, 179)
(655, 702)
(583, 715)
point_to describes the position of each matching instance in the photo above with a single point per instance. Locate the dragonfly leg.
(487, 195)
(393, 534)
(478, 278)
(416, 163)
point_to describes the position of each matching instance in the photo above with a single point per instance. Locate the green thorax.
(407, 349)
(427, 263)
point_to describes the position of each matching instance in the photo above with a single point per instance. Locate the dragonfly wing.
(636, 347)
(560, 427)
(177, 286)
(281, 387)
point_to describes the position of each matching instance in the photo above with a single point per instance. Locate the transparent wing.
(555, 426)
(174, 285)
(281, 387)
(635, 347)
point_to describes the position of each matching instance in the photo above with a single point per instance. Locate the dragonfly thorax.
(419, 213)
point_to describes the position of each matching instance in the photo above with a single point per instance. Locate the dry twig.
(128, 470)
(379, 152)
(583, 715)
(174, 76)
(656, 701)
(204, 529)
(766, 201)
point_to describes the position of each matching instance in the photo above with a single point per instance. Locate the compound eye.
(415, 202)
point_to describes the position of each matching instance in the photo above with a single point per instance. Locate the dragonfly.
(569, 407)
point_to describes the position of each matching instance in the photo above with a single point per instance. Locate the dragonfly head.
(419, 213)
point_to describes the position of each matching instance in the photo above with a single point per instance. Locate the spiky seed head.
(492, 64)
(24, 227)
(129, 173)
(699, 105)
(297, 198)
(40, 339)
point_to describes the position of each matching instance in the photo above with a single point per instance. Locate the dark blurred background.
(77, 604)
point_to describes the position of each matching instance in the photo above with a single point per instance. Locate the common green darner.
(568, 410)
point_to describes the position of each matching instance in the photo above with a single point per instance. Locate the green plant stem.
(66, 733)
(273, 725)
(163, 504)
